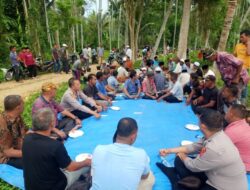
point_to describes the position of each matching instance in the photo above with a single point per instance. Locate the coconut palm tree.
(231, 7)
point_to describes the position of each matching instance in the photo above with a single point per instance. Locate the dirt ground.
(30, 86)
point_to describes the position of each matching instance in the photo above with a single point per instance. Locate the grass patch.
(6, 186)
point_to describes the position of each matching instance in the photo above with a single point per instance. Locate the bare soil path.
(27, 87)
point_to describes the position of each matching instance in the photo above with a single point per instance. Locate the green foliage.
(6, 186)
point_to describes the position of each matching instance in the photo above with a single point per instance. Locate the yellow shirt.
(241, 52)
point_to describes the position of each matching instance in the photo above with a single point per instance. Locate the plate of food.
(76, 133)
(83, 156)
(192, 127)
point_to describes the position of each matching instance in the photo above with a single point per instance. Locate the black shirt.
(199, 72)
(42, 159)
(210, 94)
(91, 91)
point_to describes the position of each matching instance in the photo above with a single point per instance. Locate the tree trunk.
(207, 36)
(47, 25)
(183, 36)
(232, 4)
(245, 18)
(74, 39)
(57, 38)
(126, 40)
(81, 36)
(119, 28)
(163, 26)
(175, 22)
(137, 33)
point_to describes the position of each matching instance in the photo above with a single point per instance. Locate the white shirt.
(184, 78)
(85, 53)
(177, 90)
(129, 53)
(122, 72)
(209, 72)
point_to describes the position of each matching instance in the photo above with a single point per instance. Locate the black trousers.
(32, 70)
(171, 99)
(83, 115)
(18, 72)
(16, 162)
(179, 172)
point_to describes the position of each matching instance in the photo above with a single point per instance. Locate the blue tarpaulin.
(161, 125)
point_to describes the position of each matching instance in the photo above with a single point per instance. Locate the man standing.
(217, 165)
(47, 164)
(242, 52)
(77, 68)
(85, 54)
(14, 59)
(47, 100)
(29, 62)
(127, 167)
(12, 131)
(64, 58)
(230, 68)
(129, 52)
(55, 56)
(239, 132)
(242, 49)
(76, 102)
(100, 54)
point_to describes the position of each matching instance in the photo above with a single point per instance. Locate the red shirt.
(28, 59)
(21, 55)
(239, 133)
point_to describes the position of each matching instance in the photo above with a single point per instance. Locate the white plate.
(192, 127)
(115, 108)
(76, 133)
(185, 142)
(138, 113)
(83, 156)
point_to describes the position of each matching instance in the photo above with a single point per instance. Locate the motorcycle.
(46, 66)
(9, 73)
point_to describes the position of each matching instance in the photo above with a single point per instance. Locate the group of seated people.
(219, 160)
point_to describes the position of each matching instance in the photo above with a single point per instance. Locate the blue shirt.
(118, 167)
(13, 59)
(101, 87)
(112, 81)
(132, 87)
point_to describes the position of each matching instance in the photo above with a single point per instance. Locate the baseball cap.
(182, 60)
(65, 45)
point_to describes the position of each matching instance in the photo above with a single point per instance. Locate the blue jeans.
(57, 66)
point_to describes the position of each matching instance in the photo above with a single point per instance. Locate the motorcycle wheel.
(9, 76)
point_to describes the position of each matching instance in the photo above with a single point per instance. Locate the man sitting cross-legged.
(120, 166)
(148, 87)
(46, 163)
(132, 86)
(47, 100)
(12, 131)
(217, 165)
(239, 132)
(175, 93)
(75, 101)
(209, 96)
(91, 91)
